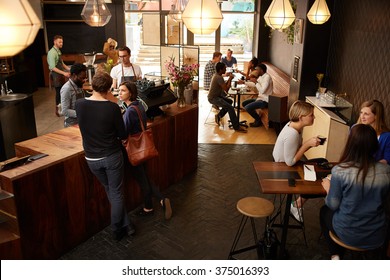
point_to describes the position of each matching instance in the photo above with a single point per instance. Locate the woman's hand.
(326, 183)
(312, 142)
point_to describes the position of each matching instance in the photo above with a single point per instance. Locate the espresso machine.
(89, 62)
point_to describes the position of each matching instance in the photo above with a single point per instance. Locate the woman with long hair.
(372, 113)
(128, 94)
(354, 207)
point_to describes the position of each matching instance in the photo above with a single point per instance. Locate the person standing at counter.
(102, 129)
(59, 71)
(128, 94)
(354, 207)
(289, 147)
(125, 71)
(109, 49)
(71, 91)
(373, 113)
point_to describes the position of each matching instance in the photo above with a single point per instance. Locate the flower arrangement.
(181, 76)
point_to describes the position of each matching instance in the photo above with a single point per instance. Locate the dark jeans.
(251, 105)
(226, 105)
(58, 95)
(148, 188)
(326, 216)
(109, 172)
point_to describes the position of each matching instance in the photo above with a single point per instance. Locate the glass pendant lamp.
(96, 13)
(319, 12)
(279, 15)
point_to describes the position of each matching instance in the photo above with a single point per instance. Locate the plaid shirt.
(209, 71)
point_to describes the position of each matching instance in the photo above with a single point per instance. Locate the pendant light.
(319, 12)
(202, 16)
(96, 13)
(279, 15)
(177, 9)
(19, 26)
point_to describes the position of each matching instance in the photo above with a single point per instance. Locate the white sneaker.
(297, 213)
(335, 257)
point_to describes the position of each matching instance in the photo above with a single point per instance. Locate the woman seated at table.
(289, 147)
(357, 191)
(373, 113)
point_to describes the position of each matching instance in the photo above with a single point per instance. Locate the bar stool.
(252, 208)
(355, 252)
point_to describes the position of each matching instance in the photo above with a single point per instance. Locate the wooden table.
(273, 179)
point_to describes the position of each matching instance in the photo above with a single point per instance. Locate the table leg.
(242, 123)
(286, 218)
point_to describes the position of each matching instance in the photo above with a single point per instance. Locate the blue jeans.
(226, 105)
(109, 171)
(251, 105)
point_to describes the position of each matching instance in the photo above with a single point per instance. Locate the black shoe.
(143, 213)
(119, 234)
(255, 124)
(217, 119)
(166, 205)
(240, 129)
(131, 229)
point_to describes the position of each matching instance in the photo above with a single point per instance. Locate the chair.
(212, 108)
(251, 208)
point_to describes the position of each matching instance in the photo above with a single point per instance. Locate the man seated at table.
(264, 86)
(217, 96)
(229, 59)
(209, 70)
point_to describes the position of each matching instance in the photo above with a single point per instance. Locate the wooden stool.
(251, 207)
(342, 244)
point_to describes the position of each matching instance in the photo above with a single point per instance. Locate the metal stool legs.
(233, 250)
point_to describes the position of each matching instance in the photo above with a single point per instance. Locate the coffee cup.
(322, 139)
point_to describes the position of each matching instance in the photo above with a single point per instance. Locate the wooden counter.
(56, 202)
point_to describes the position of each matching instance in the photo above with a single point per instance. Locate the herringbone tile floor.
(205, 218)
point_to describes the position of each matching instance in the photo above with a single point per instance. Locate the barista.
(125, 70)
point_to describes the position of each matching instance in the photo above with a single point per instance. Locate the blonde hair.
(298, 109)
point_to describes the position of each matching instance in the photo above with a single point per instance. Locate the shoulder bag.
(140, 147)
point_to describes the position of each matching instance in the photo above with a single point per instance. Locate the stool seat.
(255, 207)
(342, 244)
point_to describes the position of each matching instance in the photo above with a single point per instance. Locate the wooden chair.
(251, 208)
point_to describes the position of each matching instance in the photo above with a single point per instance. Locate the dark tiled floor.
(205, 218)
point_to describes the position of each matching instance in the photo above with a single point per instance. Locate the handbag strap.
(139, 117)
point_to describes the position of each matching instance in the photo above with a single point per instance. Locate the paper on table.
(310, 172)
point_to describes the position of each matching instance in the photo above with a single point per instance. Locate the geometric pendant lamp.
(202, 16)
(279, 15)
(19, 26)
(96, 13)
(319, 12)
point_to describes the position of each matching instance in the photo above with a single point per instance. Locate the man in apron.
(125, 70)
(59, 71)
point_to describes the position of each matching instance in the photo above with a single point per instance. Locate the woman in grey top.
(289, 147)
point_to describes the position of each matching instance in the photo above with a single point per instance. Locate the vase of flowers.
(181, 77)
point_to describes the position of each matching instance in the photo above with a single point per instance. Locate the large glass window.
(235, 32)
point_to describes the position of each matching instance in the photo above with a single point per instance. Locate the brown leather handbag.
(140, 147)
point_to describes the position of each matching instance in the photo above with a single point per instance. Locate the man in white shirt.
(264, 85)
(125, 70)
